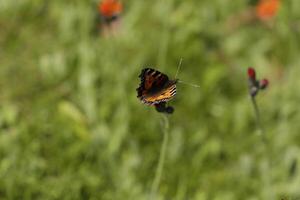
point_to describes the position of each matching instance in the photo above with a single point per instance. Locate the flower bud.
(263, 84)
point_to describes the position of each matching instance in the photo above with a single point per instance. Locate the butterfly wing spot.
(145, 83)
(148, 83)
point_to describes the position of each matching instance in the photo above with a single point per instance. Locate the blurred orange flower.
(110, 8)
(266, 9)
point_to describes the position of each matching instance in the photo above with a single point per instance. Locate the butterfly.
(156, 89)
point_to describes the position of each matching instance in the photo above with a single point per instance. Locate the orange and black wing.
(151, 81)
(163, 95)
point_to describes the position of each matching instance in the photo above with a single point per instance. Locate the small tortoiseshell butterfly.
(156, 89)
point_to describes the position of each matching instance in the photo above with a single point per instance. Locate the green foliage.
(71, 126)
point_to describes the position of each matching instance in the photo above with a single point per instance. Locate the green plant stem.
(160, 165)
(258, 120)
(266, 174)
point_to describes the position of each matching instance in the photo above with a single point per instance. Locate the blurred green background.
(71, 126)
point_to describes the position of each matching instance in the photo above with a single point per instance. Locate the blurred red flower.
(251, 73)
(266, 9)
(254, 84)
(263, 84)
(110, 8)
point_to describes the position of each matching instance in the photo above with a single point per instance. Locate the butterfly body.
(155, 87)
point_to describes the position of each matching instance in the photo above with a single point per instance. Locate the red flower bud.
(251, 73)
(263, 84)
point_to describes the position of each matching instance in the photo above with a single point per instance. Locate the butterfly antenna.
(179, 81)
(190, 84)
(178, 68)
